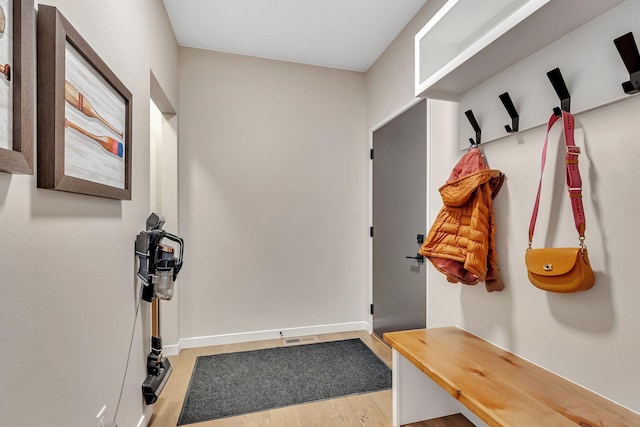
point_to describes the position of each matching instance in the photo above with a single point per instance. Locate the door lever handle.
(418, 257)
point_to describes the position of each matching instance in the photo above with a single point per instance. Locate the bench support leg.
(416, 397)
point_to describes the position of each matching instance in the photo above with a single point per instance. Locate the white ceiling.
(344, 34)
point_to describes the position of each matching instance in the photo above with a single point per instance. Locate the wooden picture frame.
(84, 115)
(16, 148)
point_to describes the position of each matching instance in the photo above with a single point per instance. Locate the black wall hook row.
(555, 77)
(475, 125)
(628, 51)
(513, 113)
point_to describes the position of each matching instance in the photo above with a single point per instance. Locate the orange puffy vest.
(461, 243)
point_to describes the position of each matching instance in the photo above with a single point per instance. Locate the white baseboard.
(172, 350)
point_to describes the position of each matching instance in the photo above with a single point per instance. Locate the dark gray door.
(399, 215)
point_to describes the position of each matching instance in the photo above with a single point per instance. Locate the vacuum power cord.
(126, 367)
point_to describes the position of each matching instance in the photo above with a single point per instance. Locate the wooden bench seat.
(499, 387)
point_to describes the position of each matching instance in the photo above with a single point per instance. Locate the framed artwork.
(84, 115)
(17, 85)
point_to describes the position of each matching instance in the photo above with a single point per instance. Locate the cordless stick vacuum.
(158, 269)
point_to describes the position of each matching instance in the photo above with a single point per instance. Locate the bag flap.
(551, 261)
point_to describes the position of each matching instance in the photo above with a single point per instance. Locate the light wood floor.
(369, 410)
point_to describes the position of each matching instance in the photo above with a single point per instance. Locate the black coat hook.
(476, 127)
(628, 50)
(555, 77)
(513, 113)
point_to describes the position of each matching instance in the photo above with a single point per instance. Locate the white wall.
(592, 337)
(390, 81)
(67, 263)
(272, 185)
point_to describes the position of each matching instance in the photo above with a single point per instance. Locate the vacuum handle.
(178, 263)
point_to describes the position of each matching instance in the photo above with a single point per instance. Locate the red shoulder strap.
(574, 181)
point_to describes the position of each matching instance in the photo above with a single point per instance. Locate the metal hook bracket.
(475, 125)
(557, 81)
(628, 51)
(513, 113)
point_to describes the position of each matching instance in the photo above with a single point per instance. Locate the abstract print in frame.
(17, 85)
(84, 115)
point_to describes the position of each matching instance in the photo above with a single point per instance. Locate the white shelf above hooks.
(468, 41)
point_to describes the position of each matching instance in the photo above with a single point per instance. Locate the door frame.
(404, 108)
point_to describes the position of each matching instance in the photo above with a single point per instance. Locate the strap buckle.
(575, 193)
(573, 150)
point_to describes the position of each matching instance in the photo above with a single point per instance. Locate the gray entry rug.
(231, 384)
